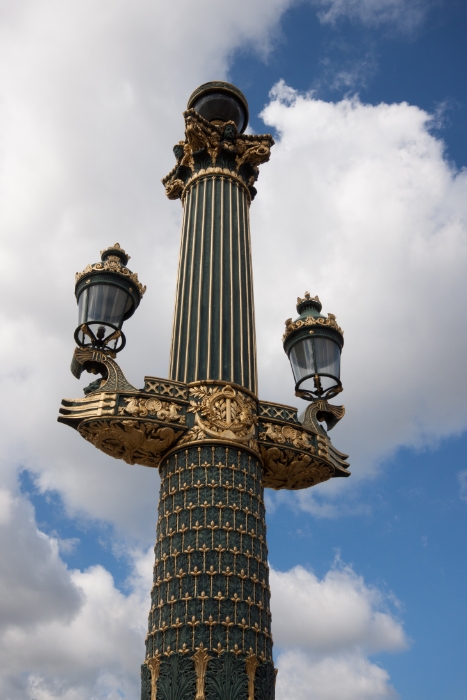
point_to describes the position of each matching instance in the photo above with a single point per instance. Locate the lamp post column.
(210, 621)
(214, 330)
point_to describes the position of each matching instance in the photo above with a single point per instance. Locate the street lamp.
(314, 344)
(108, 293)
(217, 446)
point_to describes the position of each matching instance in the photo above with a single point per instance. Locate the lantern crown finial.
(309, 303)
(115, 251)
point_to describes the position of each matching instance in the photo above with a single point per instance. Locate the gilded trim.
(154, 664)
(179, 293)
(210, 172)
(200, 279)
(254, 380)
(201, 660)
(231, 285)
(252, 664)
(211, 260)
(221, 284)
(190, 297)
(240, 286)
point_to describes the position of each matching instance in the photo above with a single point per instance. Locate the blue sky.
(364, 202)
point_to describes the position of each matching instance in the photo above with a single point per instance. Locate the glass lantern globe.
(107, 293)
(219, 102)
(313, 344)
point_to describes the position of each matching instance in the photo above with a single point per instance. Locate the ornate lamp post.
(216, 445)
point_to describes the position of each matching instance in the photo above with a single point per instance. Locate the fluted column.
(214, 330)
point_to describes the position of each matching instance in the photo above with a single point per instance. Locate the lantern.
(313, 344)
(108, 293)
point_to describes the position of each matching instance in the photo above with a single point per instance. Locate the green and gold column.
(214, 330)
(210, 622)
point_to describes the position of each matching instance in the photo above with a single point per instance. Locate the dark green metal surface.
(214, 333)
(211, 580)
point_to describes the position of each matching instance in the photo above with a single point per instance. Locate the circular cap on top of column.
(220, 102)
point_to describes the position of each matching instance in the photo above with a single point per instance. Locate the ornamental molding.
(289, 469)
(112, 264)
(144, 427)
(213, 172)
(287, 435)
(329, 322)
(222, 413)
(252, 664)
(201, 660)
(154, 665)
(209, 146)
(133, 441)
(140, 408)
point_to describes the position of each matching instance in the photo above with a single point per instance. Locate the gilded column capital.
(216, 149)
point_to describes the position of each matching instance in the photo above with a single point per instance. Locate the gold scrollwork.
(133, 441)
(222, 413)
(330, 321)
(288, 469)
(283, 434)
(319, 411)
(163, 410)
(112, 264)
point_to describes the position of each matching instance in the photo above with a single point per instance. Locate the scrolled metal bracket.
(142, 426)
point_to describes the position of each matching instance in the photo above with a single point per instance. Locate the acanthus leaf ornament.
(222, 413)
(213, 149)
(252, 664)
(292, 470)
(135, 442)
(154, 664)
(201, 660)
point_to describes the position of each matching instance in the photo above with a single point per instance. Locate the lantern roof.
(112, 268)
(310, 318)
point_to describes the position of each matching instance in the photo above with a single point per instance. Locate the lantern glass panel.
(218, 105)
(104, 303)
(328, 357)
(302, 360)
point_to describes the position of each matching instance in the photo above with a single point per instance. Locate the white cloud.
(66, 635)
(376, 222)
(34, 583)
(405, 14)
(91, 103)
(336, 614)
(90, 98)
(324, 630)
(347, 677)
(71, 635)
